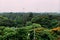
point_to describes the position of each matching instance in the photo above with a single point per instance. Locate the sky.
(29, 6)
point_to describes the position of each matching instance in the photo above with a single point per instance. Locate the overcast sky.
(29, 6)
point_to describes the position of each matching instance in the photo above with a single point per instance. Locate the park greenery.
(29, 26)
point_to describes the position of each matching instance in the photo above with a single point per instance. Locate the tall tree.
(30, 16)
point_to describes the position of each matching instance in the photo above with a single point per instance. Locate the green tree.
(9, 33)
(45, 21)
(4, 21)
(42, 34)
(22, 34)
(30, 16)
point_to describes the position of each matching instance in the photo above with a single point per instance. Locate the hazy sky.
(29, 6)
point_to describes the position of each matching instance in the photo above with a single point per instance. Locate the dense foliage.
(29, 26)
(47, 22)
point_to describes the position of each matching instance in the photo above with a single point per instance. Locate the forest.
(29, 26)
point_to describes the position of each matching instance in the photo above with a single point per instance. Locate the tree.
(4, 21)
(42, 34)
(9, 33)
(22, 34)
(30, 16)
(45, 21)
(28, 23)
